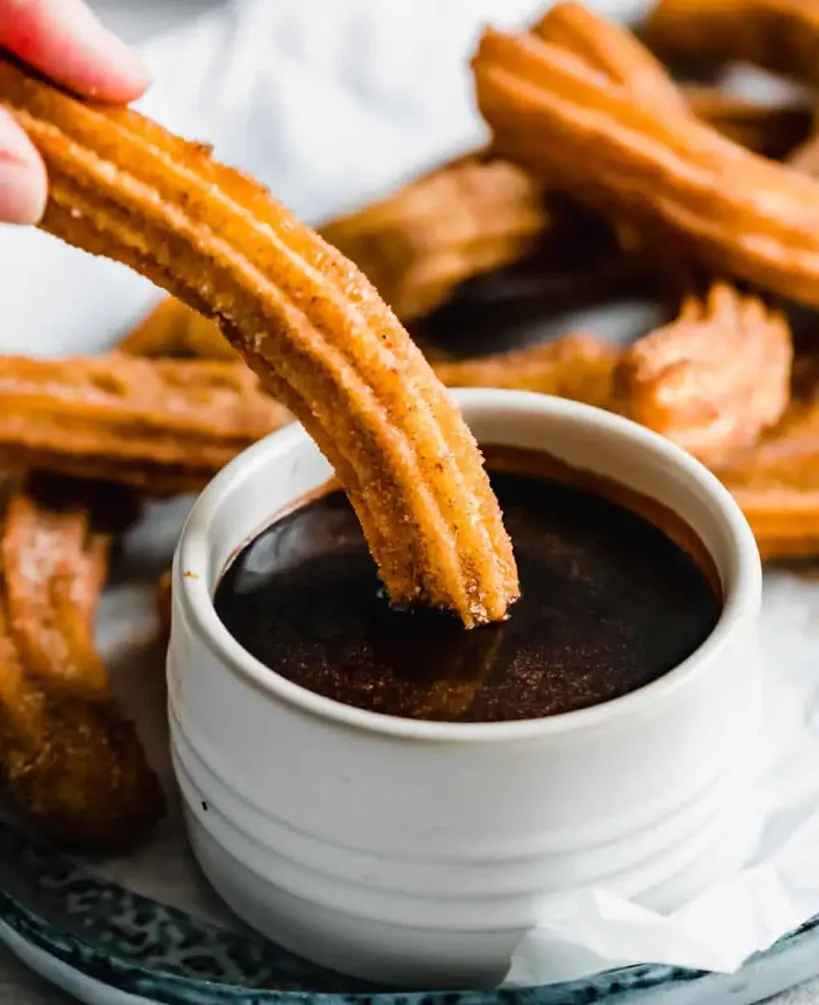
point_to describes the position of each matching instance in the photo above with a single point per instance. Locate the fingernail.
(23, 183)
(129, 66)
(22, 192)
(119, 69)
(66, 41)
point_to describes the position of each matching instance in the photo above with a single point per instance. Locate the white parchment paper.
(331, 104)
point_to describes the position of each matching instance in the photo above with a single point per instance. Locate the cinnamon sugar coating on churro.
(614, 53)
(576, 366)
(68, 758)
(55, 556)
(673, 178)
(712, 379)
(778, 35)
(309, 323)
(719, 374)
(173, 329)
(160, 425)
(464, 219)
(776, 481)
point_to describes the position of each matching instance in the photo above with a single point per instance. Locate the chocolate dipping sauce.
(610, 602)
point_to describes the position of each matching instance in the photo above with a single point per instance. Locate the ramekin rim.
(742, 594)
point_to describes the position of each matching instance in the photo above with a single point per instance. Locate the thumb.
(23, 184)
(65, 41)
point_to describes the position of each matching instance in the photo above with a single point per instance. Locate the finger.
(65, 41)
(23, 183)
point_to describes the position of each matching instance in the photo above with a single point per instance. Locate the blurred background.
(330, 103)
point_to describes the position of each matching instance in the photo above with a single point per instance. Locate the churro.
(673, 178)
(467, 218)
(778, 35)
(718, 375)
(163, 426)
(776, 481)
(576, 366)
(55, 556)
(309, 323)
(612, 52)
(69, 760)
(772, 130)
(172, 329)
(715, 377)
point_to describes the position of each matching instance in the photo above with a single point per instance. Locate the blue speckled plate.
(109, 946)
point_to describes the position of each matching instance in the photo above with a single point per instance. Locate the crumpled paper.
(330, 105)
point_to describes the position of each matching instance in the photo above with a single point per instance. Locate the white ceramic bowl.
(417, 853)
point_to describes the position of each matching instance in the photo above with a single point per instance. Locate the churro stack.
(598, 163)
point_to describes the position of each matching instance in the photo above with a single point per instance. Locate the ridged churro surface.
(715, 377)
(69, 759)
(159, 425)
(576, 366)
(671, 178)
(467, 218)
(315, 331)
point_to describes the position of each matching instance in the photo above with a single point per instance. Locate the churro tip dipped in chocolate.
(305, 319)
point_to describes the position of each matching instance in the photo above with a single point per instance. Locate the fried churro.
(614, 53)
(467, 218)
(715, 377)
(673, 178)
(309, 323)
(776, 481)
(719, 374)
(576, 366)
(778, 35)
(55, 555)
(172, 329)
(163, 426)
(69, 760)
(774, 131)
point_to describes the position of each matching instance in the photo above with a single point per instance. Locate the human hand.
(65, 41)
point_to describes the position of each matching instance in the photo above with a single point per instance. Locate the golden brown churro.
(160, 425)
(172, 329)
(612, 52)
(669, 175)
(576, 366)
(773, 131)
(779, 35)
(70, 761)
(776, 482)
(719, 374)
(309, 323)
(715, 377)
(473, 216)
(56, 562)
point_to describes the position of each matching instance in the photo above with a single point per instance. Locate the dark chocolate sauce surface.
(609, 603)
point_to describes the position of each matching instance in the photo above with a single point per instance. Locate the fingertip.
(117, 74)
(23, 179)
(67, 42)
